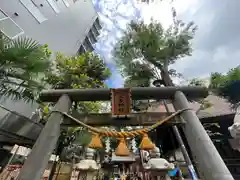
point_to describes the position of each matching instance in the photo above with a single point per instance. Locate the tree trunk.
(166, 77)
(164, 72)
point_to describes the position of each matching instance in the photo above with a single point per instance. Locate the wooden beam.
(136, 119)
(8, 136)
(138, 93)
(215, 119)
(12, 141)
(106, 119)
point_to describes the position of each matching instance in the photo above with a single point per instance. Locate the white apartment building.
(67, 26)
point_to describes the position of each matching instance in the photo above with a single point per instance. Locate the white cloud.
(187, 5)
(115, 14)
(159, 11)
(162, 10)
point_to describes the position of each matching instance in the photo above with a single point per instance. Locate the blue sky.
(215, 44)
(114, 15)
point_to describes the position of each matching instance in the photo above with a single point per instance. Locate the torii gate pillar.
(37, 161)
(209, 163)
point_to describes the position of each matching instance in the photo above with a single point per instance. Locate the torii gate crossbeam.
(37, 161)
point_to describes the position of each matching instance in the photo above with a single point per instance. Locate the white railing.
(7, 25)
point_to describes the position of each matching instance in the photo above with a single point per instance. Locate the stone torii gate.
(209, 163)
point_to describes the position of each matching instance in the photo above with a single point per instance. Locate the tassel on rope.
(96, 142)
(146, 143)
(122, 149)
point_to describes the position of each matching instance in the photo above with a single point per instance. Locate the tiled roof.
(219, 107)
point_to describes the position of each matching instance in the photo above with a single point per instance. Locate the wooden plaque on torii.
(121, 102)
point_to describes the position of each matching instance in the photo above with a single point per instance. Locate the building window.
(98, 24)
(94, 30)
(53, 6)
(81, 50)
(92, 37)
(8, 27)
(66, 3)
(88, 45)
(33, 10)
(2, 15)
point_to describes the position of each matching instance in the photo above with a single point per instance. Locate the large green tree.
(82, 71)
(224, 85)
(22, 61)
(146, 51)
(227, 85)
(204, 103)
(197, 82)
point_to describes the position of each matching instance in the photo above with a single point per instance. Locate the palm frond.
(25, 43)
(22, 61)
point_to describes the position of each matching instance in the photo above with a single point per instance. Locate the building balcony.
(88, 45)
(92, 36)
(18, 129)
(95, 31)
(97, 24)
(81, 50)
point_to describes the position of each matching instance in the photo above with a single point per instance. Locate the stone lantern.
(158, 167)
(88, 167)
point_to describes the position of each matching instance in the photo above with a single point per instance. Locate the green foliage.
(197, 82)
(145, 50)
(77, 135)
(83, 71)
(217, 80)
(227, 85)
(18, 159)
(21, 62)
(204, 103)
(83, 136)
